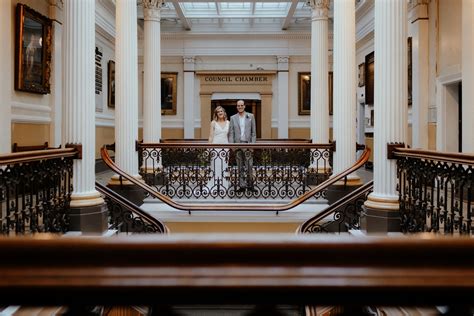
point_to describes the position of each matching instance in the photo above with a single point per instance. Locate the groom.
(242, 130)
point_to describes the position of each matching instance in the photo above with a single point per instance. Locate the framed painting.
(32, 51)
(361, 75)
(169, 81)
(304, 93)
(111, 84)
(410, 70)
(369, 78)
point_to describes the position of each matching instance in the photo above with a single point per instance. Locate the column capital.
(188, 62)
(417, 10)
(320, 9)
(283, 63)
(151, 9)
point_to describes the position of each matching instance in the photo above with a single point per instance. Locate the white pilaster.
(6, 87)
(319, 72)
(79, 99)
(345, 98)
(282, 96)
(188, 63)
(152, 71)
(390, 99)
(467, 76)
(420, 72)
(126, 83)
(56, 12)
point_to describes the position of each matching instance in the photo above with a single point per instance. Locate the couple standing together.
(240, 129)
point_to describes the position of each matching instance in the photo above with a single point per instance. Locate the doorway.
(251, 106)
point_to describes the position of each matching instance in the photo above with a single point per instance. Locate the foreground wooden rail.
(218, 269)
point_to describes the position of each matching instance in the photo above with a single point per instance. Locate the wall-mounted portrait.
(410, 61)
(111, 84)
(32, 51)
(304, 93)
(169, 82)
(369, 78)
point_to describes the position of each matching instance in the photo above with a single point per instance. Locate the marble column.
(188, 63)
(390, 103)
(152, 71)
(55, 132)
(345, 96)
(88, 212)
(126, 98)
(126, 86)
(420, 72)
(319, 76)
(283, 96)
(6, 88)
(467, 76)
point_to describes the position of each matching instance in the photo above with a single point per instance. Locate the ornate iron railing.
(126, 217)
(436, 191)
(226, 206)
(340, 216)
(35, 189)
(281, 170)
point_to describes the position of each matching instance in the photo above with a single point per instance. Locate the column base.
(342, 188)
(127, 189)
(380, 216)
(89, 219)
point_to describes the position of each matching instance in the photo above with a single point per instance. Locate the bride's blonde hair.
(215, 113)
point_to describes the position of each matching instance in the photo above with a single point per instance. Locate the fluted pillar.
(87, 212)
(282, 96)
(126, 86)
(344, 119)
(152, 71)
(55, 132)
(390, 104)
(420, 72)
(6, 87)
(188, 63)
(319, 77)
(467, 76)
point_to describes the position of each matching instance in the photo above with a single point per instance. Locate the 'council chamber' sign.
(236, 79)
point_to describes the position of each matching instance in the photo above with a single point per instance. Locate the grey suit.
(243, 157)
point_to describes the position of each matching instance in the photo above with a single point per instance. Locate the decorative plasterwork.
(188, 62)
(213, 36)
(320, 9)
(57, 3)
(283, 63)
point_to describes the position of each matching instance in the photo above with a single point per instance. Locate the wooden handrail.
(333, 207)
(466, 159)
(282, 145)
(36, 155)
(233, 268)
(235, 206)
(161, 227)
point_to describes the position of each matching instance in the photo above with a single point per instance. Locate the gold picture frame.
(111, 84)
(169, 82)
(304, 93)
(32, 51)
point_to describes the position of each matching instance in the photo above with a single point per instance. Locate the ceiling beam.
(180, 13)
(252, 12)
(289, 15)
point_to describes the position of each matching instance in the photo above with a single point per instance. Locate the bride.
(218, 135)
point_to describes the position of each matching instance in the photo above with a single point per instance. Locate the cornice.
(364, 8)
(210, 36)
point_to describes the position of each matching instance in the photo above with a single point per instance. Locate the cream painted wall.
(26, 134)
(449, 45)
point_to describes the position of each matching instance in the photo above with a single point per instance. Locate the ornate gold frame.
(33, 36)
(304, 93)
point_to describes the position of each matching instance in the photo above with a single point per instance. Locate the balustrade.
(436, 191)
(35, 190)
(195, 170)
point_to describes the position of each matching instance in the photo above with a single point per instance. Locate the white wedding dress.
(219, 157)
